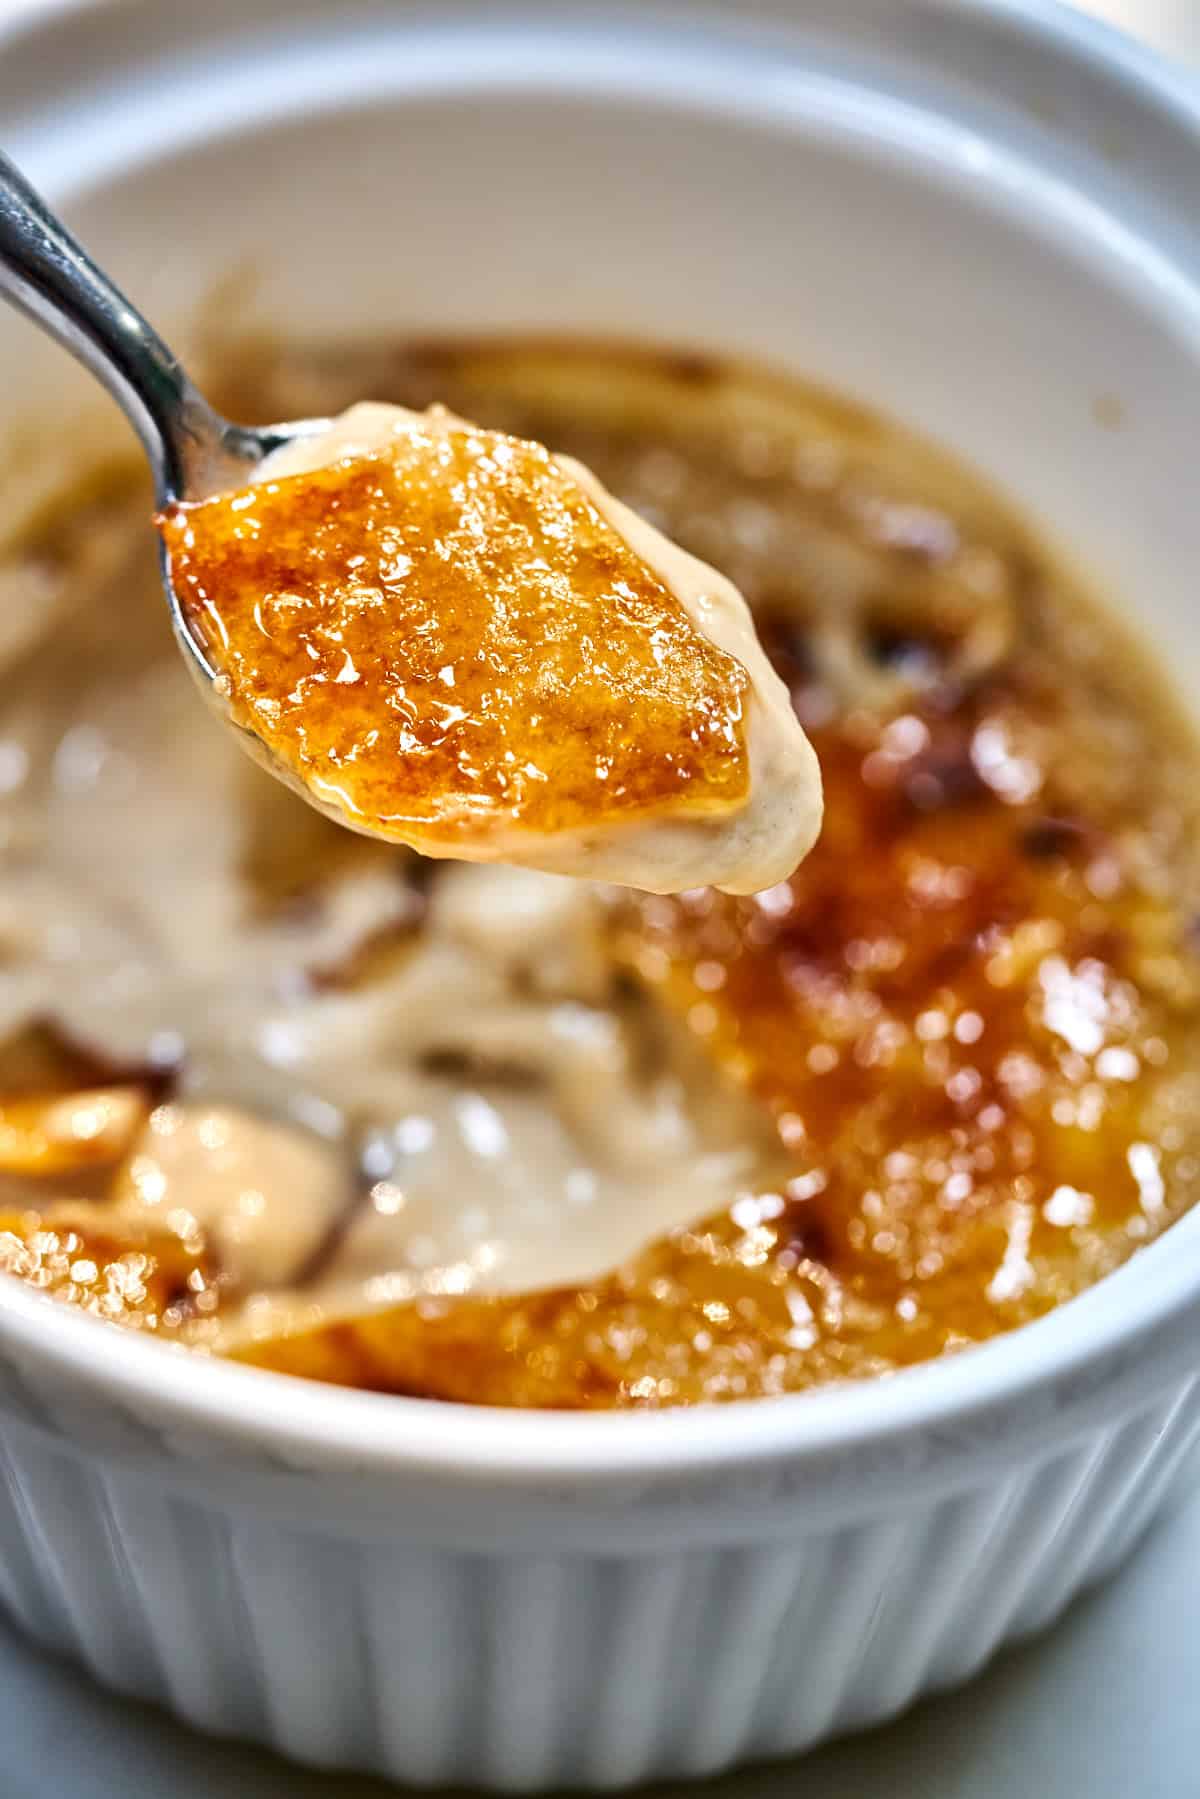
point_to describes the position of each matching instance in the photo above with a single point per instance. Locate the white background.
(1107, 1707)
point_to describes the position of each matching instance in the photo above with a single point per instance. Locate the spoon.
(193, 452)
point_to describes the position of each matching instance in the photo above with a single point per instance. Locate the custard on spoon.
(452, 638)
(441, 635)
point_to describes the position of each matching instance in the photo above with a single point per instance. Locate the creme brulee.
(455, 640)
(484, 1133)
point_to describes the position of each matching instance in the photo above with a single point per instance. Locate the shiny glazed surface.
(450, 631)
(936, 1083)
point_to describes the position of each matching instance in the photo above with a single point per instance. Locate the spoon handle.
(48, 276)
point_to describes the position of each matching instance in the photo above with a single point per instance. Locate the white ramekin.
(983, 216)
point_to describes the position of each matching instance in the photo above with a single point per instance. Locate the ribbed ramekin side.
(556, 1668)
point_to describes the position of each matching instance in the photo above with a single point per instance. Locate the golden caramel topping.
(64, 1133)
(964, 1020)
(448, 637)
(957, 1042)
(148, 1279)
(726, 1311)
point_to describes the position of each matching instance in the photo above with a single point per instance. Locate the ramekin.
(982, 216)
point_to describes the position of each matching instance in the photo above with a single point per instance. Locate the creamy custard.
(455, 640)
(487, 1133)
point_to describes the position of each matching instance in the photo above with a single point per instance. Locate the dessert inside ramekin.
(481, 1134)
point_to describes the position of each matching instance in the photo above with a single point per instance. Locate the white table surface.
(1106, 1707)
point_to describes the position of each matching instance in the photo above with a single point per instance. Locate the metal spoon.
(193, 451)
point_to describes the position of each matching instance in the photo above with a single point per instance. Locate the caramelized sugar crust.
(951, 1011)
(450, 636)
(150, 1280)
(49, 1135)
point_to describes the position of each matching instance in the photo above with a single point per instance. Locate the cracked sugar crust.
(452, 638)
